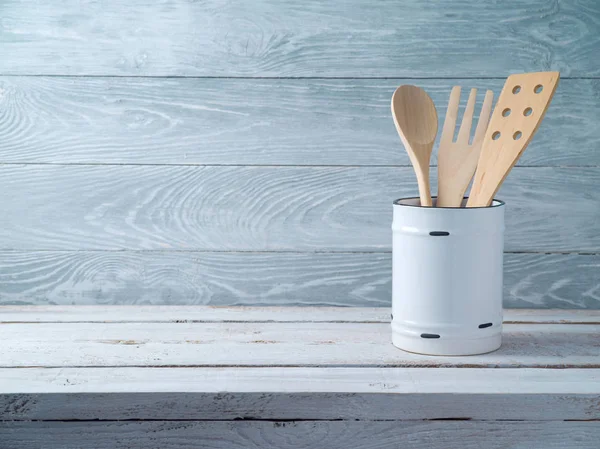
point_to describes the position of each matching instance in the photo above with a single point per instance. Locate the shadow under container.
(447, 278)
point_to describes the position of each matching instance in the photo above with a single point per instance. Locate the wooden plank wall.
(185, 434)
(179, 152)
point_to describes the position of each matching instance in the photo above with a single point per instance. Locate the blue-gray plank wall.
(243, 152)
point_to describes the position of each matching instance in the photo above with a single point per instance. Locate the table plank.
(277, 344)
(245, 314)
(307, 434)
(294, 380)
(317, 393)
(111, 363)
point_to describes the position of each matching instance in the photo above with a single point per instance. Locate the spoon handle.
(424, 189)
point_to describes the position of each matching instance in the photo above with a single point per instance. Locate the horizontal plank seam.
(252, 251)
(414, 364)
(217, 77)
(129, 164)
(552, 322)
(290, 420)
(248, 321)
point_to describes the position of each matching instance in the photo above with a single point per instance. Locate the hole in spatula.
(537, 89)
(506, 112)
(516, 89)
(527, 112)
(484, 325)
(517, 135)
(496, 135)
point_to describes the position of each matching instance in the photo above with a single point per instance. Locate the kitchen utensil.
(447, 278)
(520, 109)
(457, 161)
(416, 120)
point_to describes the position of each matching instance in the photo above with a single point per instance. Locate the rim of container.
(397, 203)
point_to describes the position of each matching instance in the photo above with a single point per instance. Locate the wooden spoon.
(520, 109)
(416, 120)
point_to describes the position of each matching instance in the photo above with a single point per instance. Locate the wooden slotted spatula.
(457, 161)
(520, 109)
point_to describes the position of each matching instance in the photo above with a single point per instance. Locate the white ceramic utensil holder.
(447, 278)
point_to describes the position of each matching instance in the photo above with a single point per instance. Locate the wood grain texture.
(263, 279)
(265, 405)
(279, 122)
(266, 208)
(299, 366)
(317, 393)
(307, 434)
(259, 314)
(194, 278)
(465, 381)
(552, 280)
(279, 38)
(277, 344)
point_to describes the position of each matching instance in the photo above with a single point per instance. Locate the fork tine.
(484, 118)
(467, 120)
(451, 115)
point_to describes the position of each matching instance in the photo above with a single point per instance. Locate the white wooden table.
(191, 377)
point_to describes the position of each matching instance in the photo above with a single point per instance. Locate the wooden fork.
(457, 161)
